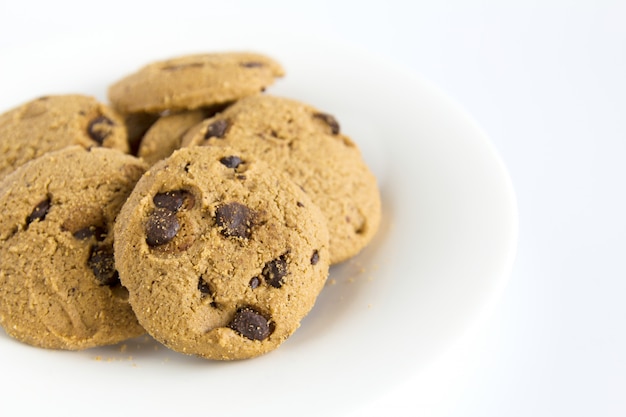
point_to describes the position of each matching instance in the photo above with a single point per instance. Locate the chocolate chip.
(275, 135)
(252, 64)
(299, 204)
(255, 282)
(99, 128)
(250, 324)
(274, 271)
(173, 200)
(102, 264)
(39, 212)
(330, 121)
(235, 220)
(204, 287)
(98, 232)
(231, 161)
(84, 233)
(315, 258)
(162, 227)
(216, 129)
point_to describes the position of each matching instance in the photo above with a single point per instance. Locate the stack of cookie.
(216, 237)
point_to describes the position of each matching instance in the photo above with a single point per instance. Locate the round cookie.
(307, 144)
(166, 134)
(58, 285)
(194, 81)
(222, 255)
(53, 122)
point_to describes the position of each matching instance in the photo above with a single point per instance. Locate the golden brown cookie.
(58, 284)
(194, 81)
(308, 145)
(222, 255)
(54, 122)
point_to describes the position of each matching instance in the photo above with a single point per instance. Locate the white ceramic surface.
(443, 253)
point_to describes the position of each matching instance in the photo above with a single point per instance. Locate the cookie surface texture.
(53, 122)
(222, 256)
(58, 284)
(194, 81)
(308, 145)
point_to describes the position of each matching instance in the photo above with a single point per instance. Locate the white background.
(547, 81)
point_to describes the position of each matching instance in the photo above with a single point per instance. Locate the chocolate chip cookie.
(194, 81)
(308, 146)
(222, 255)
(53, 122)
(58, 285)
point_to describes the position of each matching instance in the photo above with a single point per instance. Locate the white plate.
(442, 255)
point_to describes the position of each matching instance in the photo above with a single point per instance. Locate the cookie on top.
(222, 255)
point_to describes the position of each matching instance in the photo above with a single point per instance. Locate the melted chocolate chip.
(275, 270)
(255, 282)
(216, 129)
(99, 128)
(173, 200)
(161, 227)
(102, 264)
(98, 232)
(252, 64)
(231, 161)
(330, 121)
(250, 324)
(39, 212)
(235, 220)
(315, 258)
